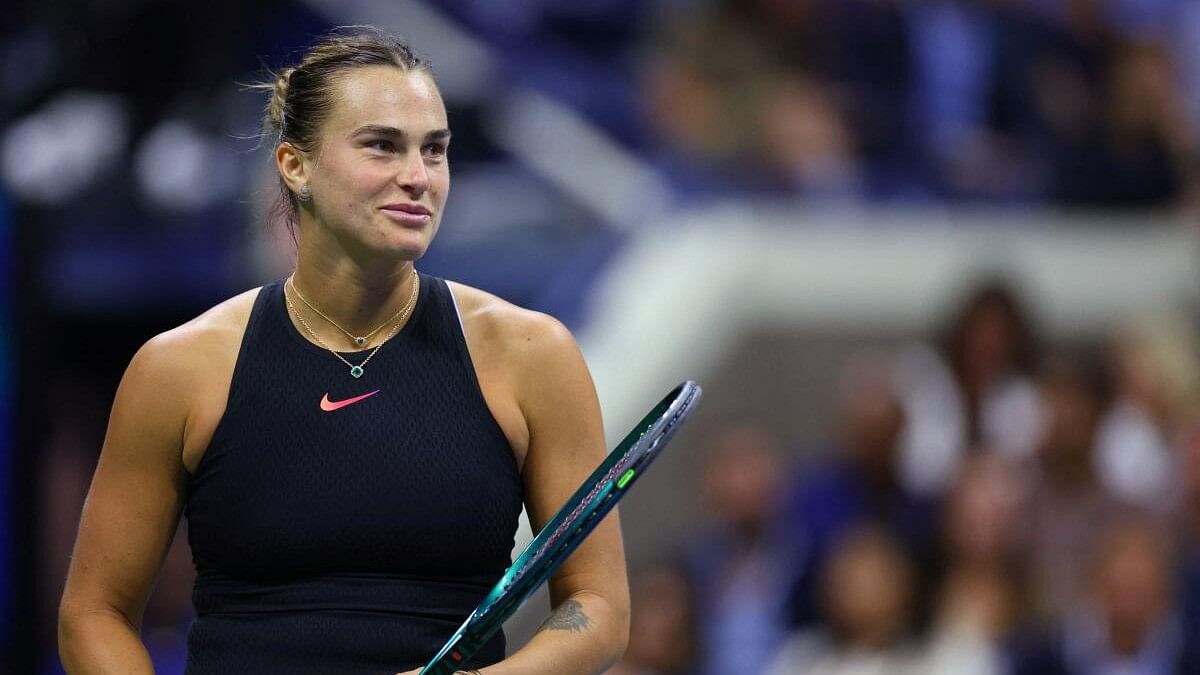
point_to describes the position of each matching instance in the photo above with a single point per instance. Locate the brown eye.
(381, 145)
(435, 149)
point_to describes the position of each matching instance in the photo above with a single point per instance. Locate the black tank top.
(343, 525)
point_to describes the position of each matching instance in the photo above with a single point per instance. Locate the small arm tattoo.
(568, 616)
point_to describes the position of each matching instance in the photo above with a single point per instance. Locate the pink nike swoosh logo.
(330, 406)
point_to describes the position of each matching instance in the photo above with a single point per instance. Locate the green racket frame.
(568, 528)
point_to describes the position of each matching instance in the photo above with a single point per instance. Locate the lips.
(415, 209)
(407, 214)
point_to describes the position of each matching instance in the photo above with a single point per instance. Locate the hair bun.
(275, 109)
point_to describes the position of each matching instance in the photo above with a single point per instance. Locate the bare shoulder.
(534, 354)
(504, 326)
(516, 352)
(190, 360)
(175, 385)
(210, 335)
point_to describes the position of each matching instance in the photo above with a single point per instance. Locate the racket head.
(569, 527)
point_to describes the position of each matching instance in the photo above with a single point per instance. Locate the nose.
(412, 175)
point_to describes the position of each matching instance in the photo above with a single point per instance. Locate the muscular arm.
(589, 627)
(128, 520)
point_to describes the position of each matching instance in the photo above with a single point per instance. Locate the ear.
(292, 166)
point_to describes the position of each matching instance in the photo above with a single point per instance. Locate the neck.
(358, 297)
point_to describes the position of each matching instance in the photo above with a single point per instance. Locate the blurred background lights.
(53, 155)
(180, 168)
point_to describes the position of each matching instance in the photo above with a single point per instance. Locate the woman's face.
(380, 176)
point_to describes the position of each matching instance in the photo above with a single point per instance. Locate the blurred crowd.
(1076, 102)
(984, 505)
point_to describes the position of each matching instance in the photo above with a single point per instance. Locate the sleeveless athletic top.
(335, 535)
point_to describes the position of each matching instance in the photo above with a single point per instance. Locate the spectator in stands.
(1128, 623)
(755, 114)
(738, 564)
(866, 592)
(1155, 361)
(982, 596)
(1069, 507)
(973, 393)
(1138, 150)
(703, 102)
(856, 480)
(807, 142)
(974, 126)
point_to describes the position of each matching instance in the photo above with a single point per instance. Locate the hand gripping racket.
(573, 522)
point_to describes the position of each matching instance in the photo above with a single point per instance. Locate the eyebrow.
(393, 132)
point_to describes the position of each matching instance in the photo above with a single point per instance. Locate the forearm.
(584, 636)
(101, 642)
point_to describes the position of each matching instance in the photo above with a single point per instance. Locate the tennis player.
(352, 445)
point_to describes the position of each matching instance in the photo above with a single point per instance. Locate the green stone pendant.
(360, 341)
(356, 371)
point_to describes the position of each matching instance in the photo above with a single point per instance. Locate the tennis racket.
(568, 528)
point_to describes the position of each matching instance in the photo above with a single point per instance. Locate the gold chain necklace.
(359, 340)
(355, 370)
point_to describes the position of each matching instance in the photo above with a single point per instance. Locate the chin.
(408, 247)
(399, 251)
(410, 242)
